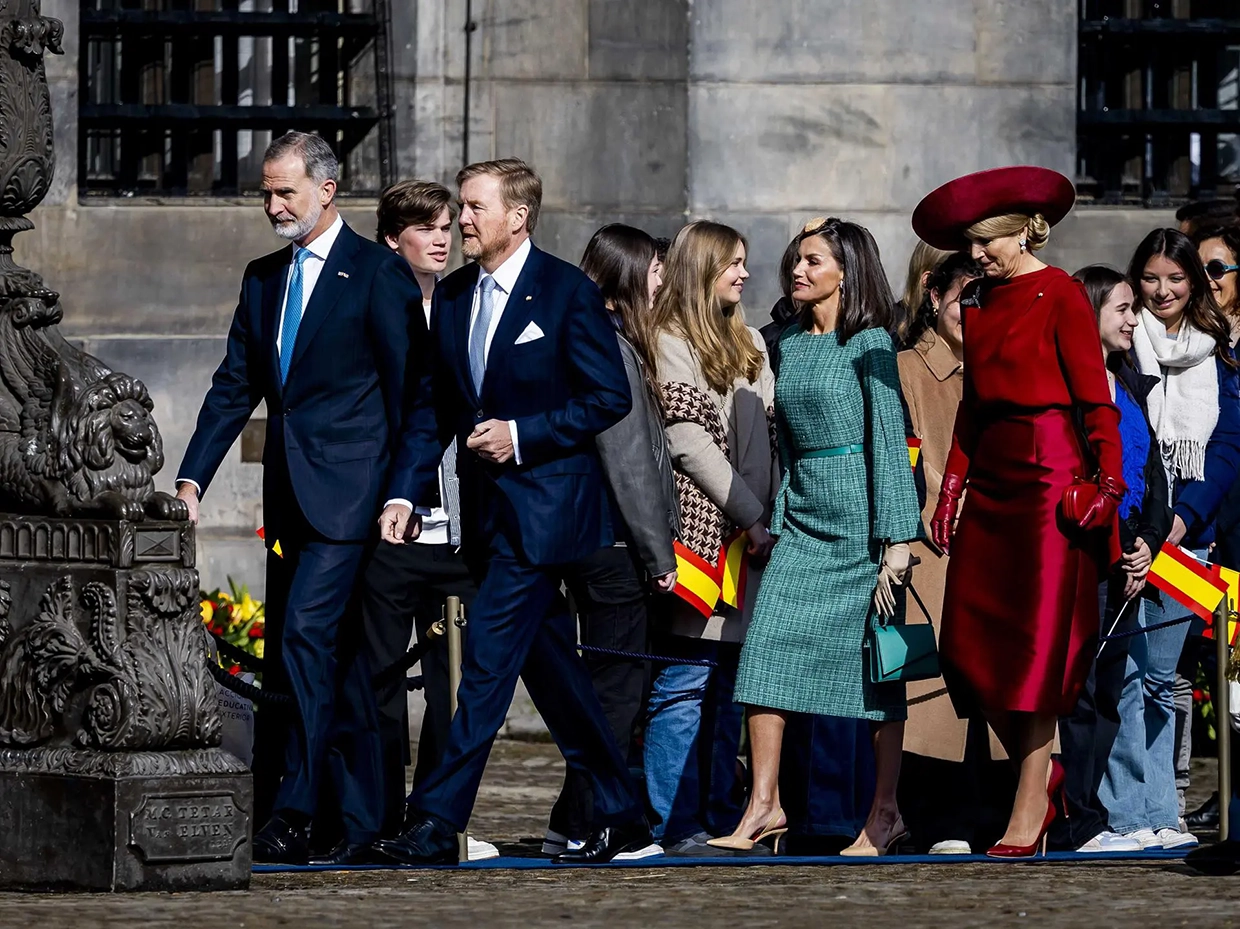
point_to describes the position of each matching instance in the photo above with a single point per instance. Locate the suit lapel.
(517, 312)
(462, 308)
(327, 291)
(273, 294)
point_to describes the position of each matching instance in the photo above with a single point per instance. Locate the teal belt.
(832, 452)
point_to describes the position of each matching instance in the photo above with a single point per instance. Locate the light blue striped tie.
(293, 310)
(478, 335)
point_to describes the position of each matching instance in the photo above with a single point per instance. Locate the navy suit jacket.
(331, 427)
(561, 389)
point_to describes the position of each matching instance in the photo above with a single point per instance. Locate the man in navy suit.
(527, 373)
(322, 333)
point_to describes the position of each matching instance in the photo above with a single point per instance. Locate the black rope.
(238, 655)
(244, 689)
(414, 683)
(1145, 629)
(641, 656)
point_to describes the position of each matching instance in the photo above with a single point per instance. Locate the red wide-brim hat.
(943, 216)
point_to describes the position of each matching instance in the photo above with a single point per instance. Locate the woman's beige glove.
(892, 573)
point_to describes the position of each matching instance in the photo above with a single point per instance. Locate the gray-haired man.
(322, 333)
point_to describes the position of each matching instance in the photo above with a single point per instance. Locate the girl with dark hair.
(1103, 740)
(1182, 338)
(609, 586)
(846, 511)
(932, 380)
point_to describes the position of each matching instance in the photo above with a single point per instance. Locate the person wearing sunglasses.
(1184, 339)
(1219, 248)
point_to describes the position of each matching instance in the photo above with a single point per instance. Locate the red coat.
(1020, 617)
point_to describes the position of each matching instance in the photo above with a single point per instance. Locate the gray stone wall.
(645, 111)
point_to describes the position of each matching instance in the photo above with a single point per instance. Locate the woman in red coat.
(1020, 616)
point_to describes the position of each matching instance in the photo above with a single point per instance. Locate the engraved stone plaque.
(157, 544)
(188, 827)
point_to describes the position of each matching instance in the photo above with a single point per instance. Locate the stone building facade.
(755, 113)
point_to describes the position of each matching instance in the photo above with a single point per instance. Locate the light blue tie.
(478, 335)
(293, 310)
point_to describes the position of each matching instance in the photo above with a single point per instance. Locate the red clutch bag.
(1077, 497)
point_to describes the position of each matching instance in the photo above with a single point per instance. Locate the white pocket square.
(531, 334)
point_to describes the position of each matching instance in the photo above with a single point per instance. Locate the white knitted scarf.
(1184, 406)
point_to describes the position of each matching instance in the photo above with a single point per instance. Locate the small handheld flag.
(702, 585)
(1187, 581)
(1232, 579)
(914, 451)
(262, 534)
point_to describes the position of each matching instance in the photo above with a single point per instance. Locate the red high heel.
(1054, 787)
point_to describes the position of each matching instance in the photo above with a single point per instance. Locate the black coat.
(1152, 520)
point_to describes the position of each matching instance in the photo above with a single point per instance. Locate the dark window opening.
(1157, 118)
(181, 97)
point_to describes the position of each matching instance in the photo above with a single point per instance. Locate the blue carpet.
(539, 864)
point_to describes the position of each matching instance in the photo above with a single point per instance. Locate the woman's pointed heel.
(738, 843)
(872, 851)
(1054, 788)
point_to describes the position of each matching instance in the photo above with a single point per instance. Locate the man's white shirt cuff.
(516, 448)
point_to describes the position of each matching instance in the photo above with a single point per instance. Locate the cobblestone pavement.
(521, 784)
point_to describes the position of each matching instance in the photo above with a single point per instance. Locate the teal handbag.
(902, 653)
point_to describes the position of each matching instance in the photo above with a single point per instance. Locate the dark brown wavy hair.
(1203, 310)
(617, 259)
(867, 302)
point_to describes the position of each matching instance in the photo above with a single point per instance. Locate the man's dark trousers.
(404, 590)
(331, 728)
(520, 627)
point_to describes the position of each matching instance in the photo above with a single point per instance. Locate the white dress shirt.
(435, 520)
(505, 277)
(311, 268)
(310, 271)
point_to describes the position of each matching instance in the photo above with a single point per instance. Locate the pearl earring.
(1022, 245)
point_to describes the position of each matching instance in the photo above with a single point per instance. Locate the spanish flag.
(262, 534)
(914, 451)
(702, 586)
(1232, 580)
(1186, 580)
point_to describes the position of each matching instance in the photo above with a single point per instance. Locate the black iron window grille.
(180, 97)
(1159, 81)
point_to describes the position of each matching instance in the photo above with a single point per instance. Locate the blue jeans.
(688, 702)
(1139, 787)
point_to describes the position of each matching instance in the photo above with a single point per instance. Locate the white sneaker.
(650, 851)
(1105, 842)
(1145, 838)
(556, 844)
(480, 850)
(951, 847)
(1171, 838)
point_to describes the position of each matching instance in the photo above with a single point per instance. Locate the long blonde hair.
(687, 307)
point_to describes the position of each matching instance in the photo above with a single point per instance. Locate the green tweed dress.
(803, 651)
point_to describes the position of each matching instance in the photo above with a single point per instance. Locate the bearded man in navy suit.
(322, 333)
(526, 372)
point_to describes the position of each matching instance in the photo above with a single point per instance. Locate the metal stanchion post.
(454, 620)
(1222, 715)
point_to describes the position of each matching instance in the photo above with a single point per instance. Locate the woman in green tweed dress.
(846, 509)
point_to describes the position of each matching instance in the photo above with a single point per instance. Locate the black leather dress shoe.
(1220, 860)
(281, 842)
(1205, 817)
(346, 853)
(629, 841)
(424, 841)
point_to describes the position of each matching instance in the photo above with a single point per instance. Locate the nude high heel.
(898, 835)
(737, 843)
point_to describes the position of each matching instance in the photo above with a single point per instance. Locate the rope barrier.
(245, 689)
(1143, 630)
(641, 656)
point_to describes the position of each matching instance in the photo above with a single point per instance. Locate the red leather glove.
(944, 522)
(1102, 508)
